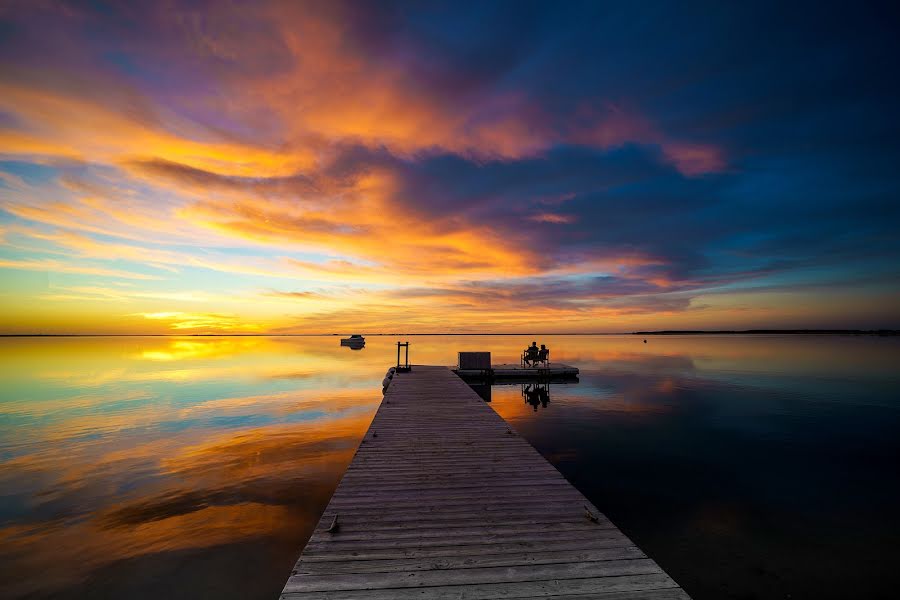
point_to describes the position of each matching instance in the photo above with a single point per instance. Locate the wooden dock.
(520, 373)
(444, 500)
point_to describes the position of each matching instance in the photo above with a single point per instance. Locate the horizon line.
(881, 331)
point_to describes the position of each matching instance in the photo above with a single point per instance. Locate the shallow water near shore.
(747, 466)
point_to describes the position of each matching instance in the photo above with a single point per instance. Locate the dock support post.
(404, 368)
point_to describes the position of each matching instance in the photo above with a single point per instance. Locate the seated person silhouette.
(543, 354)
(532, 354)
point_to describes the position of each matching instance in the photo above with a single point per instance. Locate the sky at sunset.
(306, 167)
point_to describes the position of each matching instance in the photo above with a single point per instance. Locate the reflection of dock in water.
(482, 388)
(476, 366)
(444, 500)
(536, 394)
(517, 373)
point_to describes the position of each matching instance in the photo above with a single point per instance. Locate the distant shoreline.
(876, 332)
(775, 332)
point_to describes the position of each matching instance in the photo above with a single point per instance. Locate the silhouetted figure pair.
(534, 355)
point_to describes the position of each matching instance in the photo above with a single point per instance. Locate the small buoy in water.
(645, 341)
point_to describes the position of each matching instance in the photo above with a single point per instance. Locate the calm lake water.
(747, 466)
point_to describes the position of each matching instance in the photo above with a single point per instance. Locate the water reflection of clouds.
(52, 556)
(168, 495)
(614, 389)
(139, 467)
(110, 454)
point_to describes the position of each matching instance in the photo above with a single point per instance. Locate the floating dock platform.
(520, 373)
(444, 500)
(476, 366)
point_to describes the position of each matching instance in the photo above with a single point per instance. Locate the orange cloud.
(110, 133)
(262, 178)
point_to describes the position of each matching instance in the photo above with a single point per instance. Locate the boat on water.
(355, 341)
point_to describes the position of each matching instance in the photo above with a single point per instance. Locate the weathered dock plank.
(444, 500)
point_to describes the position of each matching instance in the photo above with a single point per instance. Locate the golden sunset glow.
(673, 227)
(273, 168)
